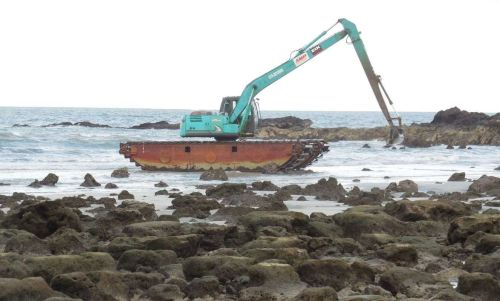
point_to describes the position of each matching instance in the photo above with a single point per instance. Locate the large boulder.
(264, 186)
(400, 254)
(484, 264)
(50, 266)
(195, 205)
(484, 184)
(76, 285)
(456, 117)
(214, 175)
(12, 266)
(225, 189)
(89, 181)
(27, 243)
(457, 177)
(291, 221)
(155, 228)
(407, 186)
(43, 219)
(324, 293)
(407, 281)
(67, 241)
(135, 260)
(199, 266)
(326, 189)
(202, 287)
(183, 245)
(481, 286)
(29, 289)
(163, 292)
(49, 180)
(369, 219)
(463, 227)
(406, 210)
(147, 210)
(334, 272)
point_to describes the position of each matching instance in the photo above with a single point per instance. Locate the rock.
(163, 292)
(400, 254)
(484, 264)
(479, 285)
(405, 281)
(407, 186)
(147, 210)
(29, 289)
(406, 210)
(12, 266)
(292, 256)
(357, 197)
(287, 122)
(89, 181)
(204, 286)
(195, 205)
(327, 272)
(368, 219)
(291, 221)
(183, 245)
(134, 260)
(214, 175)
(111, 186)
(264, 186)
(152, 228)
(162, 192)
(250, 199)
(462, 227)
(27, 243)
(199, 266)
(302, 198)
(43, 219)
(76, 285)
(125, 195)
(120, 173)
(50, 180)
(225, 189)
(160, 125)
(449, 146)
(67, 241)
(366, 145)
(484, 184)
(230, 214)
(161, 184)
(50, 266)
(35, 184)
(457, 177)
(488, 243)
(324, 293)
(366, 169)
(279, 279)
(456, 117)
(326, 189)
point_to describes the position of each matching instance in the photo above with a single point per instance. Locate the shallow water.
(71, 152)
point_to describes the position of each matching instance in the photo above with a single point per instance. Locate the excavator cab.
(229, 103)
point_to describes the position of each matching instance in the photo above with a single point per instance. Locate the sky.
(188, 54)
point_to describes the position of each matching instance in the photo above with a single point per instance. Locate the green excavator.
(238, 119)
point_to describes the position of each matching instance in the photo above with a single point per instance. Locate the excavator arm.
(232, 125)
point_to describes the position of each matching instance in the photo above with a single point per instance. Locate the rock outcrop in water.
(449, 127)
(160, 125)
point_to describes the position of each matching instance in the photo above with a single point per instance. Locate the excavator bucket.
(268, 155)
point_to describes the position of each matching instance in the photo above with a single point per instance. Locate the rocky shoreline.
(240, 242)
(449, 127)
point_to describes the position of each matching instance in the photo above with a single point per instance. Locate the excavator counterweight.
(238, 118)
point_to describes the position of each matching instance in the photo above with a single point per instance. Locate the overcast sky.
(188, 54)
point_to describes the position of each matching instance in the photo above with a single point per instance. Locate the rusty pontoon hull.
(229, 155)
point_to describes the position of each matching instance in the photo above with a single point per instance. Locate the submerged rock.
(457, 177)
(120, 173)
(111, 186)
(32, 289)
(287, 122)
(161, 184)
(160, 125)
(214, 175)
(89, 181)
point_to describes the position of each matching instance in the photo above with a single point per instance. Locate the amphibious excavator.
(238, 117)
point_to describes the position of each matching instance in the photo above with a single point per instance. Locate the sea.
(31, 152)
